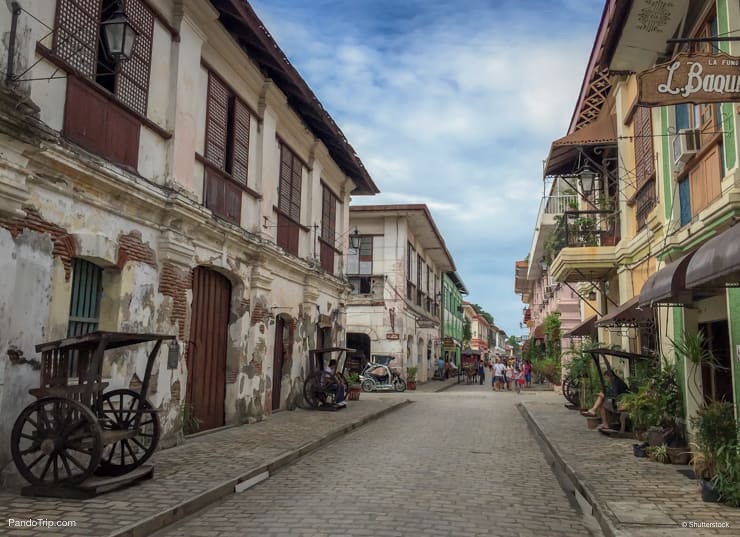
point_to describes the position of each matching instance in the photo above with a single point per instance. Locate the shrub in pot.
(353, 386)
(411, 378)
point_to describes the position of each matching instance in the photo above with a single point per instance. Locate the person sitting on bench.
(615, 387)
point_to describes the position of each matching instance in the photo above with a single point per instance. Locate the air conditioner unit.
(686, 145)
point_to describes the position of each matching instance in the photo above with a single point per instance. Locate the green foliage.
(189, 423)
(659, 453)
(657, 401)
(410, 374)
(694, 348)
(483, 313)
(715, 427)
(548, 368)
(467, 332)
(726, 479)
(353, 377)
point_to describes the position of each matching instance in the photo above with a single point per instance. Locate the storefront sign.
(392, 335)
(691, 78)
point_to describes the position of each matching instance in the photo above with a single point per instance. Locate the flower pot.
(353, 393)
(679, 455)
(592, 423)
(708, 494)
(638, 450)
(655, 436)
(410, 384)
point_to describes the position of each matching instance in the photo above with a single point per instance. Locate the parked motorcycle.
(377, 375)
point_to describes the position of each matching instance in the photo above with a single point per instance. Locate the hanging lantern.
(119, 36)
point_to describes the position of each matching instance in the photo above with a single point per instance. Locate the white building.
(201, 187)
(395, 308)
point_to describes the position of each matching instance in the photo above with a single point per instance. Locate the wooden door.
(207, 347)
(280, 357)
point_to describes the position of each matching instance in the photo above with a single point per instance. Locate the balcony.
(551, 210)
(584, 246)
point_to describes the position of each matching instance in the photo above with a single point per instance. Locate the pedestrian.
(447, 369)
(498, 376)
(481, 371)
(509, 372)
(519, 374)
(528, 373)
(440, 369)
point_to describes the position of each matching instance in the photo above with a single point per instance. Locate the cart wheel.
(56, 441)
(368, 385)
(570, 390)
(120, 408)
(313, 392)
(399, 384)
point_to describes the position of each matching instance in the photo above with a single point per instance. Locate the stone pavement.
(459, 463)
(629, 496)
(190, 476)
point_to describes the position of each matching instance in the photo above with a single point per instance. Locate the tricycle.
(319, 391)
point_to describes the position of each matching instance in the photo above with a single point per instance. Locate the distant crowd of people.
(506, 375)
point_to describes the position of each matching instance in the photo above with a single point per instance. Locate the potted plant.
(716, 429)
(411, 378)
(726, 480)
(353, 386)
(661, 453)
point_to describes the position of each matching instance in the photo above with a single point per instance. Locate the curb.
(599, 510)
(173, 514)
(447, 387)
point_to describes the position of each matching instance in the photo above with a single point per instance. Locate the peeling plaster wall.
(25, 276)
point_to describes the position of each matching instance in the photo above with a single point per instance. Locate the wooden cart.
(315, 393)
(75, 429)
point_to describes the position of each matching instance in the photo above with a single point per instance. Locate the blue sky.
(449, 103)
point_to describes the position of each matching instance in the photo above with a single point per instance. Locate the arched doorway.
(361, 356)
(209, 324)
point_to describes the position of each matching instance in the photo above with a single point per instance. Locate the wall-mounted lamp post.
(586, 178)
(119, 36)
(355, 240)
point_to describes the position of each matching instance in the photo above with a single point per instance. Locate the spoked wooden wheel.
(56, 441)
(570, 390)
(120, 408)
(313, 391)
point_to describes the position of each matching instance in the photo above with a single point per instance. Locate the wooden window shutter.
(76, 36)
(289, 191)
(132, 84)
(240, 149)
(644, 163)
(217, 113)
(328, 215)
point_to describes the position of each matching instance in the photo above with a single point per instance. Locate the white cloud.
(452, 108)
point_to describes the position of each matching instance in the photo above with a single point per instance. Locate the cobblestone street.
(461, 462)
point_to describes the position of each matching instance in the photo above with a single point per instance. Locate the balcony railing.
(560, 204)
(590, 228)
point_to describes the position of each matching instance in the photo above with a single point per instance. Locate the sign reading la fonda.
(697, 78)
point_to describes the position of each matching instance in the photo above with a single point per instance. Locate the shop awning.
(668, 285)
(717, 262)
(586, 328)
(563, 155)
(627, 315)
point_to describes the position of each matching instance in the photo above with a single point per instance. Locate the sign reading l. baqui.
(691, 78)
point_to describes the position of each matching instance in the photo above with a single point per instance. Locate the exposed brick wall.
(64, 246)
(131, 248)
(259, 314)
(174, 283)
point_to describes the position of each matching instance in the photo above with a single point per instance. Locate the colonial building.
(655, 234)
(453, 317)
(396, 274)
(480, 336)
(198, 189)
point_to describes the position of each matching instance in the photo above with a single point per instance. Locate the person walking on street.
(481, 372)
(509, 372)
(498, 376)
(528, 373)
(441, 368)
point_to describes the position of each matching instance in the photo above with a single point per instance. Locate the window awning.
(586, 328)
(717, 262)
(563, 155)
(627, 315)
(539, 332)
(668, 285)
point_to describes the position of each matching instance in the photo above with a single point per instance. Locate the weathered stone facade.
(147, 228)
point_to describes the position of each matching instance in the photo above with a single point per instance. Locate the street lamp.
(591, 295)
(543, 264)
(586, 178)
(119, 36)
(355, 240)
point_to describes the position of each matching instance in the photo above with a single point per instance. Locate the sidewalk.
(628, 496)
(433, 386)
(189, 477)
